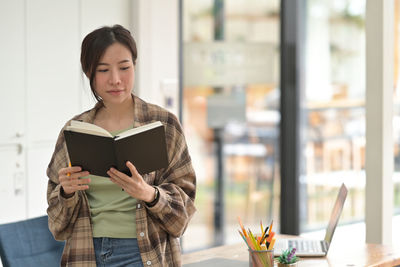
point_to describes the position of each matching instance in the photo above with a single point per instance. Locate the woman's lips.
(115, 92)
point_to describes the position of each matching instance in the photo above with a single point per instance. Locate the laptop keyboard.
(306, 245)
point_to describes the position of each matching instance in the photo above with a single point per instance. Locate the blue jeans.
(114, 252)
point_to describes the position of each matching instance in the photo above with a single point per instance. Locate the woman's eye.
(124, 68)
(102, 70)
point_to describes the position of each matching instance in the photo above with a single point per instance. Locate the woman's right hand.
(70, 181)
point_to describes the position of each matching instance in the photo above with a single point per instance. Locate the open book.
(96, 150)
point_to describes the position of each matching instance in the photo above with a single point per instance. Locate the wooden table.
(351, 254)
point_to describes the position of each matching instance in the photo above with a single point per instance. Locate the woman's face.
(115, 75)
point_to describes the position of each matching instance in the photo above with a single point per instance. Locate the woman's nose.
(115, 77)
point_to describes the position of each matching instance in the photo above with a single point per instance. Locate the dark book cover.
(97, 154)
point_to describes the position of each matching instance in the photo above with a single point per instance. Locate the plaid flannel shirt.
(158, 227)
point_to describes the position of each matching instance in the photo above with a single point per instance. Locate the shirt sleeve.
(176, 184)
(62, 212)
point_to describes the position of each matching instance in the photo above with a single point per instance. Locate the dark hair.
(95, 44)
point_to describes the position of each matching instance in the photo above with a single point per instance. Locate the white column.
(379, 105)
(155, 28)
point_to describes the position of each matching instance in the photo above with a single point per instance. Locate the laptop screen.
(337, 210)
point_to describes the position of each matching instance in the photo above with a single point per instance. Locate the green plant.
(288, 256)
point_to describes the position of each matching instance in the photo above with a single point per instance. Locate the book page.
(139, 129)
(88, 128)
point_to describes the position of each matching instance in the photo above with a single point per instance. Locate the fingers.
(75, 176)
(128, 183)
(115, 174)
(118, 177)
(73, 184)
(80, 184)
(69, 170)
(69, 189)
(135, 186)
(70, 179)
(132, 168)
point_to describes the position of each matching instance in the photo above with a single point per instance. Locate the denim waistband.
(115, 252)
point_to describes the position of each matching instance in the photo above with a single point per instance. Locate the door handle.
(19, 182)
(19, 146)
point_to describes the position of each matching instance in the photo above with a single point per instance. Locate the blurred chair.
(29, 243)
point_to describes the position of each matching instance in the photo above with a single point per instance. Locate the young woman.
(120, 220)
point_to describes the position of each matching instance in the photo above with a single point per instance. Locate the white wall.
(42, 84)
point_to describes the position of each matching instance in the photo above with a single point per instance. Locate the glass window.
(333, 141)
(231, 115)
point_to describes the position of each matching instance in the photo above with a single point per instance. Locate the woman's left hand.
(133, 185)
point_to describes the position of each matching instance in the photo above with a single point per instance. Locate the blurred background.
(216, 65)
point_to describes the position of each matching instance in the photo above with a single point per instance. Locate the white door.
(12, 112)
(53, 87)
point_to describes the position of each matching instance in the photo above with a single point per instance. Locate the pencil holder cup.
(261, 258)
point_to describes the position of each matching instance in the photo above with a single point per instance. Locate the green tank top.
(112, 210)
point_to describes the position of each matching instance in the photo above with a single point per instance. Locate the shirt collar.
(140, 112)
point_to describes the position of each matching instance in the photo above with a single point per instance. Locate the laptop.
(315, 248)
